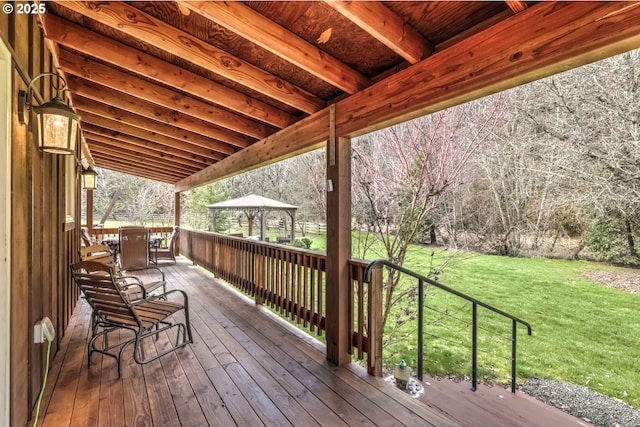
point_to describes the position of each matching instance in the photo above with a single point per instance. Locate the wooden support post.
(374, 360)
(176, 217)
(176, 212)
(90, 211)
(338, 248)
(259, 271)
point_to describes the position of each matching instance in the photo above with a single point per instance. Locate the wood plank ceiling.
(168, 89)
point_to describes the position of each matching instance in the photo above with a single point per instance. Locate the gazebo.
(254, 206)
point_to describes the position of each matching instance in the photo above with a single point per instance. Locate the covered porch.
(247, 367)
(189, 93)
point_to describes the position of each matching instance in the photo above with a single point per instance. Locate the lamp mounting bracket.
(23, 114)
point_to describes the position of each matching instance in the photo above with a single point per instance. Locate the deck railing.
(100, 234)
(291, 281)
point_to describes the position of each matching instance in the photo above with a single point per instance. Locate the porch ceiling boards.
(189, 92)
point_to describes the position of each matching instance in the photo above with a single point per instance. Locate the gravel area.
(584, 403)
(628, 281)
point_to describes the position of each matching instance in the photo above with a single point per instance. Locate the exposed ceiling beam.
(136, 169)
(542, 40)
(103, 145)
(307, 134)
(131, 21)
(516, 6)
(90, 43)
(258, 29)
(379, 21)
(117, 99)
(127, 145)
(198, 144)
(117, 80)
(147, 140)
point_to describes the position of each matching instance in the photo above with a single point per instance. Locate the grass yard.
(583, 332)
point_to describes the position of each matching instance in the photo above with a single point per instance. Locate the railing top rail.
(380, 262)
(108, 230)
(288, 248)
(359, 262)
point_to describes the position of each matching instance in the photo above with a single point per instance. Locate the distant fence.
(311, 227)
(229, 223)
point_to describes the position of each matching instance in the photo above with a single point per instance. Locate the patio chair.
(170, 251)
(134, 250)
(113, 311)
(87, 239)
(130, 284)
(100, 253)
(134, 247)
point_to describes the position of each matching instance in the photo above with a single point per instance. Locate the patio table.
(114, 243)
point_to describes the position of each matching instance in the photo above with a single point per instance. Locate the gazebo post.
(293, 226)
(261, 212)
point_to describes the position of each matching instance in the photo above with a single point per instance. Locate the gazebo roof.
(254, 202)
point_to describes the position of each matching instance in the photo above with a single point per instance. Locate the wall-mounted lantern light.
(89, 178)
(57, 125)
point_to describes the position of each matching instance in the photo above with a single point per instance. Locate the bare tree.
(590, 117)
(524, 177)
(138, 198)
(400, 174)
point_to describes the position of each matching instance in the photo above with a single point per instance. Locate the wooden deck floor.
(245, 368)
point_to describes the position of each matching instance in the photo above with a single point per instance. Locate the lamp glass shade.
(56, 127)
(89, 179)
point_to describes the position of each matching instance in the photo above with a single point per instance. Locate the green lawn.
(583, 332)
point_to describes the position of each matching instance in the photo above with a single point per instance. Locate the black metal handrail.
(474, 334)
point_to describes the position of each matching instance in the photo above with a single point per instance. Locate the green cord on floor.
(44, 384)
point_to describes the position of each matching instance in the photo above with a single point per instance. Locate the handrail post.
(474, 348)
(374, 359)
(258, 274)
(420, 327)
(513, 355)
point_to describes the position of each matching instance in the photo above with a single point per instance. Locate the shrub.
(304, 243)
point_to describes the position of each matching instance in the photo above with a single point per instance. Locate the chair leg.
(105, 349)
(187, 322)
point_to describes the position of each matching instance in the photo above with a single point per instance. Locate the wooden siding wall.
(41, 251)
